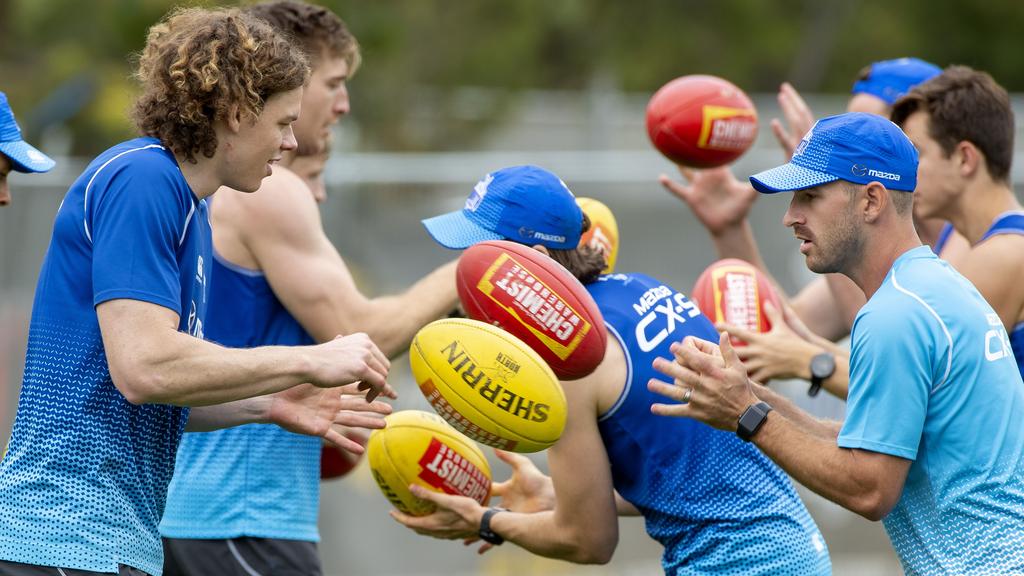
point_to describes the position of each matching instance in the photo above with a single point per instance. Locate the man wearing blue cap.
(15, 153)
(715, 503)
(823, 311)
(928, 372)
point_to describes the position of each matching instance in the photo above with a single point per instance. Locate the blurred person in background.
(15, 153)
(247, 498)
(115, 351)
(963, 126)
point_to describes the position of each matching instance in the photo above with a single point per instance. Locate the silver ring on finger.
(686, 396)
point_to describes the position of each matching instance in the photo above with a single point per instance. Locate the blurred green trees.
(57, 56)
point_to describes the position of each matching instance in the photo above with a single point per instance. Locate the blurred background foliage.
(66, 64)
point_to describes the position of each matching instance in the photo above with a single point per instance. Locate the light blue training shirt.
(933, 380)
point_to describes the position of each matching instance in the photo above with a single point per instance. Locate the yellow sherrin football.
(488, 384)
(420, 448)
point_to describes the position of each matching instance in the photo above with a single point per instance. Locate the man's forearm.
(738, 242)
(541, 534)
(218, 416)
(850, 478)
(828, 430)
(186, 371)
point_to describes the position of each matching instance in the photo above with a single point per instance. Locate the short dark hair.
(584, 262)
(315, 29)
(964, 104)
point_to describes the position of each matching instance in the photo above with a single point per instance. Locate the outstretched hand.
(714, 195)
(313, 411)
(710, 382)
(354, 359)
(455, 517)
(528, 489)
(777, 354)
(799, 119)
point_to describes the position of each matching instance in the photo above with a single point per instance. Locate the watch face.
(823, 365)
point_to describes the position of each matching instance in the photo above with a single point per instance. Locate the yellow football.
(420, 448)
(488, 384)
(604, 230)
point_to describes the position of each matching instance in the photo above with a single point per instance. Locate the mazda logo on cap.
(859, 170)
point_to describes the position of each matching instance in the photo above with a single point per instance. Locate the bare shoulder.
(283, 205)
(1000, 254)
(602, 387)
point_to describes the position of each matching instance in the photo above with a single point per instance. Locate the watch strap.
(486, 534)
(751, 420)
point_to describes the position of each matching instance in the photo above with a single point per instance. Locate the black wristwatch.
(486, 534)
(822, 367)
(751, 420)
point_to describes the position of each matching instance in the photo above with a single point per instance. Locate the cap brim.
(789, 177)
(25, 158)
(454, 230)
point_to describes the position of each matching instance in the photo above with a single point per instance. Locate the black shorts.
(19, 569)
(240, 557)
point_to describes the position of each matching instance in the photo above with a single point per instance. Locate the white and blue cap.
(891, 79)
(856, 147)
(23, 156)
(524, 204)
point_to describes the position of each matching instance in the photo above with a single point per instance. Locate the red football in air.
(534, 298)
(734, 291)
(701, 121)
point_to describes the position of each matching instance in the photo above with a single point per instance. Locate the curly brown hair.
(317, 30)
(198, 64)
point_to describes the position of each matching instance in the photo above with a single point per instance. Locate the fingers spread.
(346, 444)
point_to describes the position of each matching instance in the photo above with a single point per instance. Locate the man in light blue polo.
(933, 442)
(15, 153)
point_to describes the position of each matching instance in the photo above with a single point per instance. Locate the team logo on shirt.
(997, 342)
(661, 302)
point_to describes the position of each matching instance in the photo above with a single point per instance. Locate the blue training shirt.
(933, 380)
(1010, 223)
(716, 503)
(256, 480)
(85, 477)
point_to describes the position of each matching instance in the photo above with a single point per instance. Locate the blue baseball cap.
(856, 147)
(890, 79)
(524, 204)
(23, 156)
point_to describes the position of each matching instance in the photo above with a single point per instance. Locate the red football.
(534, 298)
(336, 463)
(701, 121)
(734, 291)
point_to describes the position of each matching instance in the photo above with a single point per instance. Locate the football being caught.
(701, 121)
(535, 299)
(420, 448)
(488, 384)
(734, 291)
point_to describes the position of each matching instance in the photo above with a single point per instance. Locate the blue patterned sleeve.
(136, 215)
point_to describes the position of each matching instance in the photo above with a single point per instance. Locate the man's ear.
(876, 200)
(234, 118)
(970, 158)
(542, 249)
